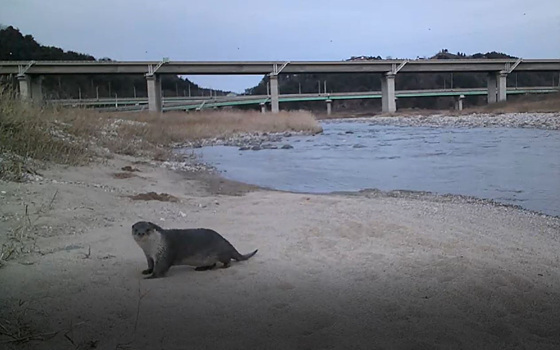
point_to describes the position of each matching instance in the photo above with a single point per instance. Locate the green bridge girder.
(139, 103)
(350, 97)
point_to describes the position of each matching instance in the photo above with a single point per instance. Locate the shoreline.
(545, 121)
(474, 120)
(214, 176)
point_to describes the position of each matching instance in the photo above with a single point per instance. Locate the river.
(508, 165)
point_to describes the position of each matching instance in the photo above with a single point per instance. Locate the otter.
(198, 247)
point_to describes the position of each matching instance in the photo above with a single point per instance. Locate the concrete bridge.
(206, 102)
(29, 73)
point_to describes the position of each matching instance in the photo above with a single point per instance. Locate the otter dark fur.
(199, 247)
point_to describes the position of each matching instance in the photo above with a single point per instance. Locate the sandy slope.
(337, 271)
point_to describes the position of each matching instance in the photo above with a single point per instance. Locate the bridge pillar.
(263, 107)
(24, 87)
(30, 88)
(388, 97)
(154, 93)
(329, 106)
(502, 86)
(459, 103)
(274, 103)
(492, 88)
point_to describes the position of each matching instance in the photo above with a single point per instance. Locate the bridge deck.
(266, 67)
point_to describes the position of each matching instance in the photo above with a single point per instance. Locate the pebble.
(547, 121)
(188, 165)
(243, 141)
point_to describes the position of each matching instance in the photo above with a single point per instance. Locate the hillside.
(16, 46)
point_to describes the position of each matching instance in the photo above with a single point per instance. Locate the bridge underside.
(30, 89)
(207, 102)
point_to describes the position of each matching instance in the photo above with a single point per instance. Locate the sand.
(335, 271)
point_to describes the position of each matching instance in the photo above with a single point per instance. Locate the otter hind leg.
(205, 268)
(225, 260)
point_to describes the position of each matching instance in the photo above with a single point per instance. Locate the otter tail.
(240, 257)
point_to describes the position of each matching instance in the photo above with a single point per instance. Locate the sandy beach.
(352, 271)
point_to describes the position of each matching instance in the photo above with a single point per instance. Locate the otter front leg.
(160, 269)
(150, 266)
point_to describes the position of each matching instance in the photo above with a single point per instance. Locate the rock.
(286, 146)
(256, 148)
(244, 148)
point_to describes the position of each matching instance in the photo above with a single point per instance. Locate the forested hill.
(16, 46)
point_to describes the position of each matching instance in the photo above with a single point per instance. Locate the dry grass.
(21, 239)
(32, 132)
(152, 134)
(179, 127)
(549, 103)
(76, 136)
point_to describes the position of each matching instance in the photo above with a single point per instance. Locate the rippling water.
(515, 166)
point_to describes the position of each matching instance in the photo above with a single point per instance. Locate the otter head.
(143, 229)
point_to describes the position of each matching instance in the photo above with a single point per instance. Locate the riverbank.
(368, 270)
(547, 121)
(365, 269)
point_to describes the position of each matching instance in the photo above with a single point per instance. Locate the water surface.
(514, 166)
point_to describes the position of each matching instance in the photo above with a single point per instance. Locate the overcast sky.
(287, 30)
